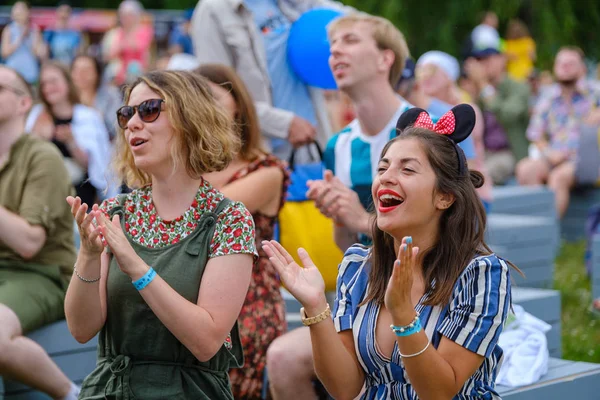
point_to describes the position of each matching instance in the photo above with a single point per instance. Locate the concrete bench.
(524, 200)
(539, 201)
(564, 380)
(530, 243)
(573, 223)
(76, 360)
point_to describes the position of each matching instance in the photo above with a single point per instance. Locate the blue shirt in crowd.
(63, 44)
(288, 91)
(179, 37)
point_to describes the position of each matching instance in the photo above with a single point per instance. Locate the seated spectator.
(259, 180)
(36, 243)
(64, 43)
(437, 75)
(520, 50)
(180, 40)
(22, 43)
(555, 127)
(128, 46)
(367, 58)
(77, 130)
(86, 73)
(504, 103)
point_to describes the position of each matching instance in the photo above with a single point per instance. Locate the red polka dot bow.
(445, 125)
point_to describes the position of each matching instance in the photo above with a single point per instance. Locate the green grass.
(580, 327)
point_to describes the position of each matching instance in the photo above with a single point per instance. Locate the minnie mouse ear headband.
(457, 124)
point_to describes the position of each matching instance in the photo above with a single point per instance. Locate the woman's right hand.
(91, 241)
(305, 284)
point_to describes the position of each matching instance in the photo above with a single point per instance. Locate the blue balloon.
(308, 48)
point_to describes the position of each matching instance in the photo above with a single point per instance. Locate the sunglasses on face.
(148, 110)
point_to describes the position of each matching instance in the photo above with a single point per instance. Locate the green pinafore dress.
(138, 357)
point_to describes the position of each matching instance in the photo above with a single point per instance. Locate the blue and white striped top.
(473, 319)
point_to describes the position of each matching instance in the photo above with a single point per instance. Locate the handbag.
(301, 224)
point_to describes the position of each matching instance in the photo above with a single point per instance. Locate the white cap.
(182, 62)
(443, 61)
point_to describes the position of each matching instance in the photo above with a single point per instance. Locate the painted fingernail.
(409, 240)
(397, 263)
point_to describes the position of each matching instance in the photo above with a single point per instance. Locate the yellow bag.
(301, 224)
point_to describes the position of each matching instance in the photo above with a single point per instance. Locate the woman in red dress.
(259, 180)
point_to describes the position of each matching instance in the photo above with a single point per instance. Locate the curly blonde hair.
(205, 139)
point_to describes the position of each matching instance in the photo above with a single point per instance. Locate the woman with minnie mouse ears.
(417, 315)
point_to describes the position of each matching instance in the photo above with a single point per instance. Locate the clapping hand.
(398, 293)
(128, 260)
(305, 283)
(90, 236)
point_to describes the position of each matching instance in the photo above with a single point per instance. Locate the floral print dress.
(263, 315)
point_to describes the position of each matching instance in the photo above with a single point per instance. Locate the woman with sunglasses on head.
(164, 273)
(419, 314)
(77, 131)
(259, 180)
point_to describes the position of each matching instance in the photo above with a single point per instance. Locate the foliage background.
(444, 24)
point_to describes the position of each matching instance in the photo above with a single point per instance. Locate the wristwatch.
(308, 321)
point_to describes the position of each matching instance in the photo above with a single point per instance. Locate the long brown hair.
(461, 226)
(73, 94)
(246, 118)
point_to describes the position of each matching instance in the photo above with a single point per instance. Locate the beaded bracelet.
(84, 279)
(407, 330)
(145, 280)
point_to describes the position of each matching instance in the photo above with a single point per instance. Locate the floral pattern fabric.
(234, 231)
(262, 318)
(559, 121)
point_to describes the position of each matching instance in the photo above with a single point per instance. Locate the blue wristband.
(413, 327)
(145, 280)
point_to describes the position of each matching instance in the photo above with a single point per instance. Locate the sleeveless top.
(23, 59)
(138, 357)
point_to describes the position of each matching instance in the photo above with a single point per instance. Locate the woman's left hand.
(398, 293)
(128, 260)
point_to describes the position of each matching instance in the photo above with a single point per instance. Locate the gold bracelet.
(307, 321)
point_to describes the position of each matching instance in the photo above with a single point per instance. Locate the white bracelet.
(416, 354)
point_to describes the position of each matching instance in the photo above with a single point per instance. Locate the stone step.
(564, 380)
(524, 200)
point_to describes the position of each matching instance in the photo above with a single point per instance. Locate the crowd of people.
(173, 170)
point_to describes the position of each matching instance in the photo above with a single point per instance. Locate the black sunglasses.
(148, 111)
